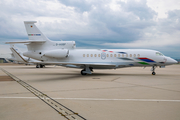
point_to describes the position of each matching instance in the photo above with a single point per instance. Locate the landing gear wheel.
(37, 66)
(41, 66)
(153, 73)
(153, 70)
(91, 69)
(82, 72)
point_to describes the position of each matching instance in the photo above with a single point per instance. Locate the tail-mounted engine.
(58, 53)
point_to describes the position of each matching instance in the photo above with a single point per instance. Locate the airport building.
(3, 60)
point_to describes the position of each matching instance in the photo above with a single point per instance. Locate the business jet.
(18, 57)
(65, 53)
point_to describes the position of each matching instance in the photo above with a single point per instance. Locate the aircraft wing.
(81, 65)
(27, 41)
(77, 63)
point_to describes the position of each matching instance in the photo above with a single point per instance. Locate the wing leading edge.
(81, 65)
(27, 41)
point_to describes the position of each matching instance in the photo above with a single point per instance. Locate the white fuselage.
(118, 58)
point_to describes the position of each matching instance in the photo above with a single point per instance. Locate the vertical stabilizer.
(16, 48)
(17, 54)
(33, 32)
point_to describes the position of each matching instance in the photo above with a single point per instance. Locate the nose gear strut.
(153, 70)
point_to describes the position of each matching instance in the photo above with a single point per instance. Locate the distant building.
(3, 60)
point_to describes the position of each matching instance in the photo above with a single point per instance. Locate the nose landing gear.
(153, 70)
(153, 73)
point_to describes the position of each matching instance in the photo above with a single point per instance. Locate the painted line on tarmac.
(97, 99)
(58, 107)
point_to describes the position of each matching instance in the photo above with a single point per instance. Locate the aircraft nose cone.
(175, 62)
(171, 61)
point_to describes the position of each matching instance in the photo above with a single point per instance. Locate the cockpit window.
(159, 54)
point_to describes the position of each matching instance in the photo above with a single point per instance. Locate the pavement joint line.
(95, 99)
(68, 113)
(75, 90)
(115, 79)
(93, 88)
(148, 86)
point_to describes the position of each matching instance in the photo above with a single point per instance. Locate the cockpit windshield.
(159, 54)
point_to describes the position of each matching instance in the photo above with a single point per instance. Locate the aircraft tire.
(153, 73)
(41, 66)
(83, 73)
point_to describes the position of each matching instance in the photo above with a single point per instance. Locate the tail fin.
(33, 32)
(17, 54)
(15, 48)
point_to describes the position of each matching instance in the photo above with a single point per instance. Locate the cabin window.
(111, 55)
(130, 55)
(134, 55)
(114, 55)
(122, 55)
(87, 55)
(83, 55)
(126, 55)
(95, 55)
(91, 55)
(107, 55)
(119, 55)
(99, 55)
(138, 55)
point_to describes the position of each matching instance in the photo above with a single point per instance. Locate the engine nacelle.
(58, 53)
(34, 55)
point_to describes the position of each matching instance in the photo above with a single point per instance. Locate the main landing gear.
(83, 72)
(153, 70)
(87, 70)
(40, 66)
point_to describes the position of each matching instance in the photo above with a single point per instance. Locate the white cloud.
(5, 51)
(126, 23)
(163, 6)
(114, 6)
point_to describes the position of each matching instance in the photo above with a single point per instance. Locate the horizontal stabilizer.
(27, 41)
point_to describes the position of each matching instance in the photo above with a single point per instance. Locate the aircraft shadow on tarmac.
(76, 76)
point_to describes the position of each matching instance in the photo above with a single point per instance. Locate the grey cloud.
(170, 25)
(80, 5)
(89, 23)
(126, 27)
(108, 24)
(174, 14)
(139, 8)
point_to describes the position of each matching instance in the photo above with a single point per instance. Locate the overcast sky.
(116, 24)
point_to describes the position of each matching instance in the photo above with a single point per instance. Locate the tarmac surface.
(121, 94)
